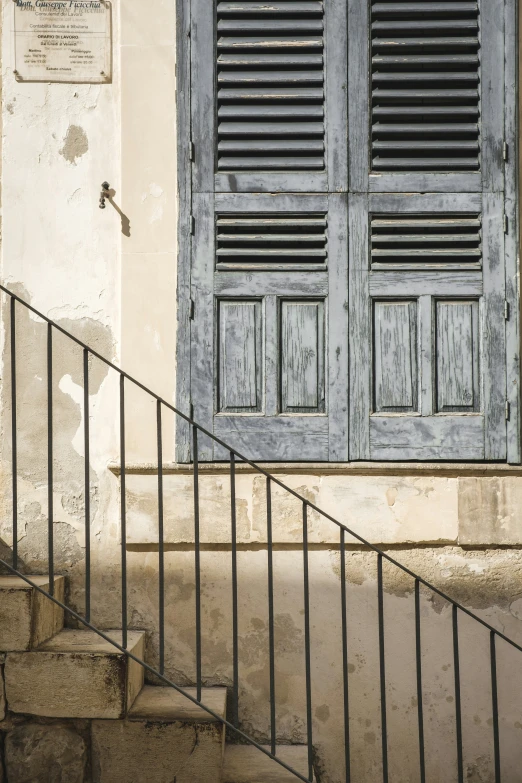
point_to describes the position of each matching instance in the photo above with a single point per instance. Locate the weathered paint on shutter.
(427, 97)
(417, 356)
(270, 334)
(428, 358)
(269, 107)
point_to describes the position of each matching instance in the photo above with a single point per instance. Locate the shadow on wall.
(491, 583)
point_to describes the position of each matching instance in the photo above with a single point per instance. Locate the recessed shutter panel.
(272, 103)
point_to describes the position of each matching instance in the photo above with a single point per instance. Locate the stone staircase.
(75, 709)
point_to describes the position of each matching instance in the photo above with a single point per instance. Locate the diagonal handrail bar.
(306, 506)
(266, 473)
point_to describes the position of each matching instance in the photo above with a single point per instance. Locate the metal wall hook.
(104, 194)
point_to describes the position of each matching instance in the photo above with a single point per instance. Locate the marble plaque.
(62, 41)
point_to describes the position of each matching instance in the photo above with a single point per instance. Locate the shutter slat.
(271, 145)
(271, 93)
(452, 25)
(266, 238)
(262, 111)
(296, 252)
(399, 241)
(425, 59)
(416, 95)
(242, 9)
(271, 222)
(270, 241)
(270, 77)
(289, 58)
(443, 144)
(421, 238)
(269, 25)
(262, 162)
(390, 42)
(425, 76)
(433, 128)
(391, 111)
(447, 9)
(425, 164)
(270, 67)
(281, 42)
(439, 223)
(271, 129)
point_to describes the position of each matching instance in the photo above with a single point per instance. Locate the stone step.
(164, 704)
(246, 764)
(28, 618)
(165, 738)
(76, 674)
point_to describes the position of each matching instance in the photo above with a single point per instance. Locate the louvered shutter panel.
(271, 86)
(425, 86)
(270, 107)
(427, 96)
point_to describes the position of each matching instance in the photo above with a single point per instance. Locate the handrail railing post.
(50, 458)
(420, 710)
(197, 559)
(344, 636)
(87, 484)
(494, 699)
(14, 432)
(161, 540)
(308, 667)
(382, 670)
(235, 627)
(271, 633)
(123, 514)
(458, 704)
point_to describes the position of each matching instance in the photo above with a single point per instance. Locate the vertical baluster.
(235, 630)
(14, 432)
(494, 697)
(420, 711)
(458, 706)
(123, 513)
(87, 484)
(50, 480)
(271, 635)
(344, 628)
(197, 559)
(382, 668)
(161, 536)
(307, 642)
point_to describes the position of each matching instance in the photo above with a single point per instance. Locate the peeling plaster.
(75, 144)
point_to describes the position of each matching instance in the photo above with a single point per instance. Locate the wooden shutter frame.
(492, 289)
(358, 125)
(209, 285)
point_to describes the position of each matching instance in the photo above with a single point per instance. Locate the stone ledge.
(449, 469)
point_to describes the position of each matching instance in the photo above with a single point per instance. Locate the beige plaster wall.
(110, 278)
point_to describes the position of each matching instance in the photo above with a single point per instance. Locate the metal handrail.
(271, 480)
